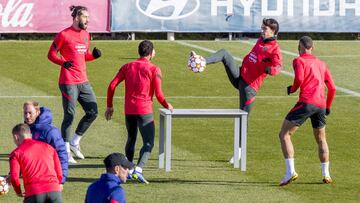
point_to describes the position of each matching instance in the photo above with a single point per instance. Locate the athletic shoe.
(288, 179)
(76, 150)
(71, 159)
(137, 175)
(129, 176)
(231, 161)
(327, 180)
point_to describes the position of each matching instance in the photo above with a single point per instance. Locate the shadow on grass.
(83, 180)
(95, 157)
(211, 182)
(4, 157)
(86, 166)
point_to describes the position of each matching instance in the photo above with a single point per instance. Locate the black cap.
(118, 159)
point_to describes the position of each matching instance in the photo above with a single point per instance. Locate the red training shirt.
(73, 45)
(142, 80)
(312, 75)
(39, 165)
(262, 55)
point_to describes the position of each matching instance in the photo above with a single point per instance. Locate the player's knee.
(92, 114)
(224, 52)
(148, 147)
(68, 119)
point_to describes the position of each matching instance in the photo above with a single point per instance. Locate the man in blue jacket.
(40, 121)
(107, 189)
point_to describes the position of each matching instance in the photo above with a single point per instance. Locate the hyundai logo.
(167, 9)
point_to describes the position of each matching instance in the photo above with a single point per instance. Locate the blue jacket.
(106, 189)
(44, 131)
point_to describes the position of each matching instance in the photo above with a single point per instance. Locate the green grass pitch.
(201, 147)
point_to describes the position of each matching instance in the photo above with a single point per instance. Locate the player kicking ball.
(264, 59)
(311, 76)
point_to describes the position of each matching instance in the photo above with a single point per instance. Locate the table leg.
(236, 141)
(161, 142)
(168, 143)
(244, 125)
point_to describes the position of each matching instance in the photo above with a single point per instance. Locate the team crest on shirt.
(265, 48)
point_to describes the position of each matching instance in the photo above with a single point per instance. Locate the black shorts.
(303, 111)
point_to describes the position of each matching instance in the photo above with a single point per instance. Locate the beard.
(82, 26)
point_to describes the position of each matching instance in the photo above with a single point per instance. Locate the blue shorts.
(302, 111)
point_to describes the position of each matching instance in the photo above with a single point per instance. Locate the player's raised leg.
(231, 68)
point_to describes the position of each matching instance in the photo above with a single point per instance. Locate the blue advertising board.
(234, 15)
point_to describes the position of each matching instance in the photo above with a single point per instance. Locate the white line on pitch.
(338, 56)
(341, 89)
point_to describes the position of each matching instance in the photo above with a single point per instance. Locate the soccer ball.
(196, 63)
(4, 186)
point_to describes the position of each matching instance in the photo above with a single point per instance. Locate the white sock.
(131, 171)
(325, 169)
(290, 166)
(67, 146)
(138, 169)
(76, 140)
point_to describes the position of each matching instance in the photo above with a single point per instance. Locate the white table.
(240, 119)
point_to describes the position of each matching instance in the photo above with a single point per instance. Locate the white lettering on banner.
(221, 3)
(344, 5)
(329, 8)
(324, 12)
(178, 8)
(16, 13)
(306, 8)
(265, 8)
(290, 7)
(247, 6)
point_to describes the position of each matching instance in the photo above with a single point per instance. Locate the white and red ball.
(196, 63)
(4, 186)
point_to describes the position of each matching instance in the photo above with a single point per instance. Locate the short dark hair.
(117, 159)
(145, 48)
(77, 10)
(21, 129)
(272, 24)
(306, 41)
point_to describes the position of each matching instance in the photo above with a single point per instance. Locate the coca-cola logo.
(15, 13)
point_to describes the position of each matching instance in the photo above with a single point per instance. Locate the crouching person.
(107, 189)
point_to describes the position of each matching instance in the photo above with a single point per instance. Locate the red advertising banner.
(49, 16)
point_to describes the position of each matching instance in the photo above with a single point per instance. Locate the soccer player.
(107, 188)
(73, 43)
(39, 120)
(39, 166)
(264, 59)
(311, 76)
(142, 80)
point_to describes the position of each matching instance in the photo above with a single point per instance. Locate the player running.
(73, 43)
(264, 59)
(311, 76)
(142, 80)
